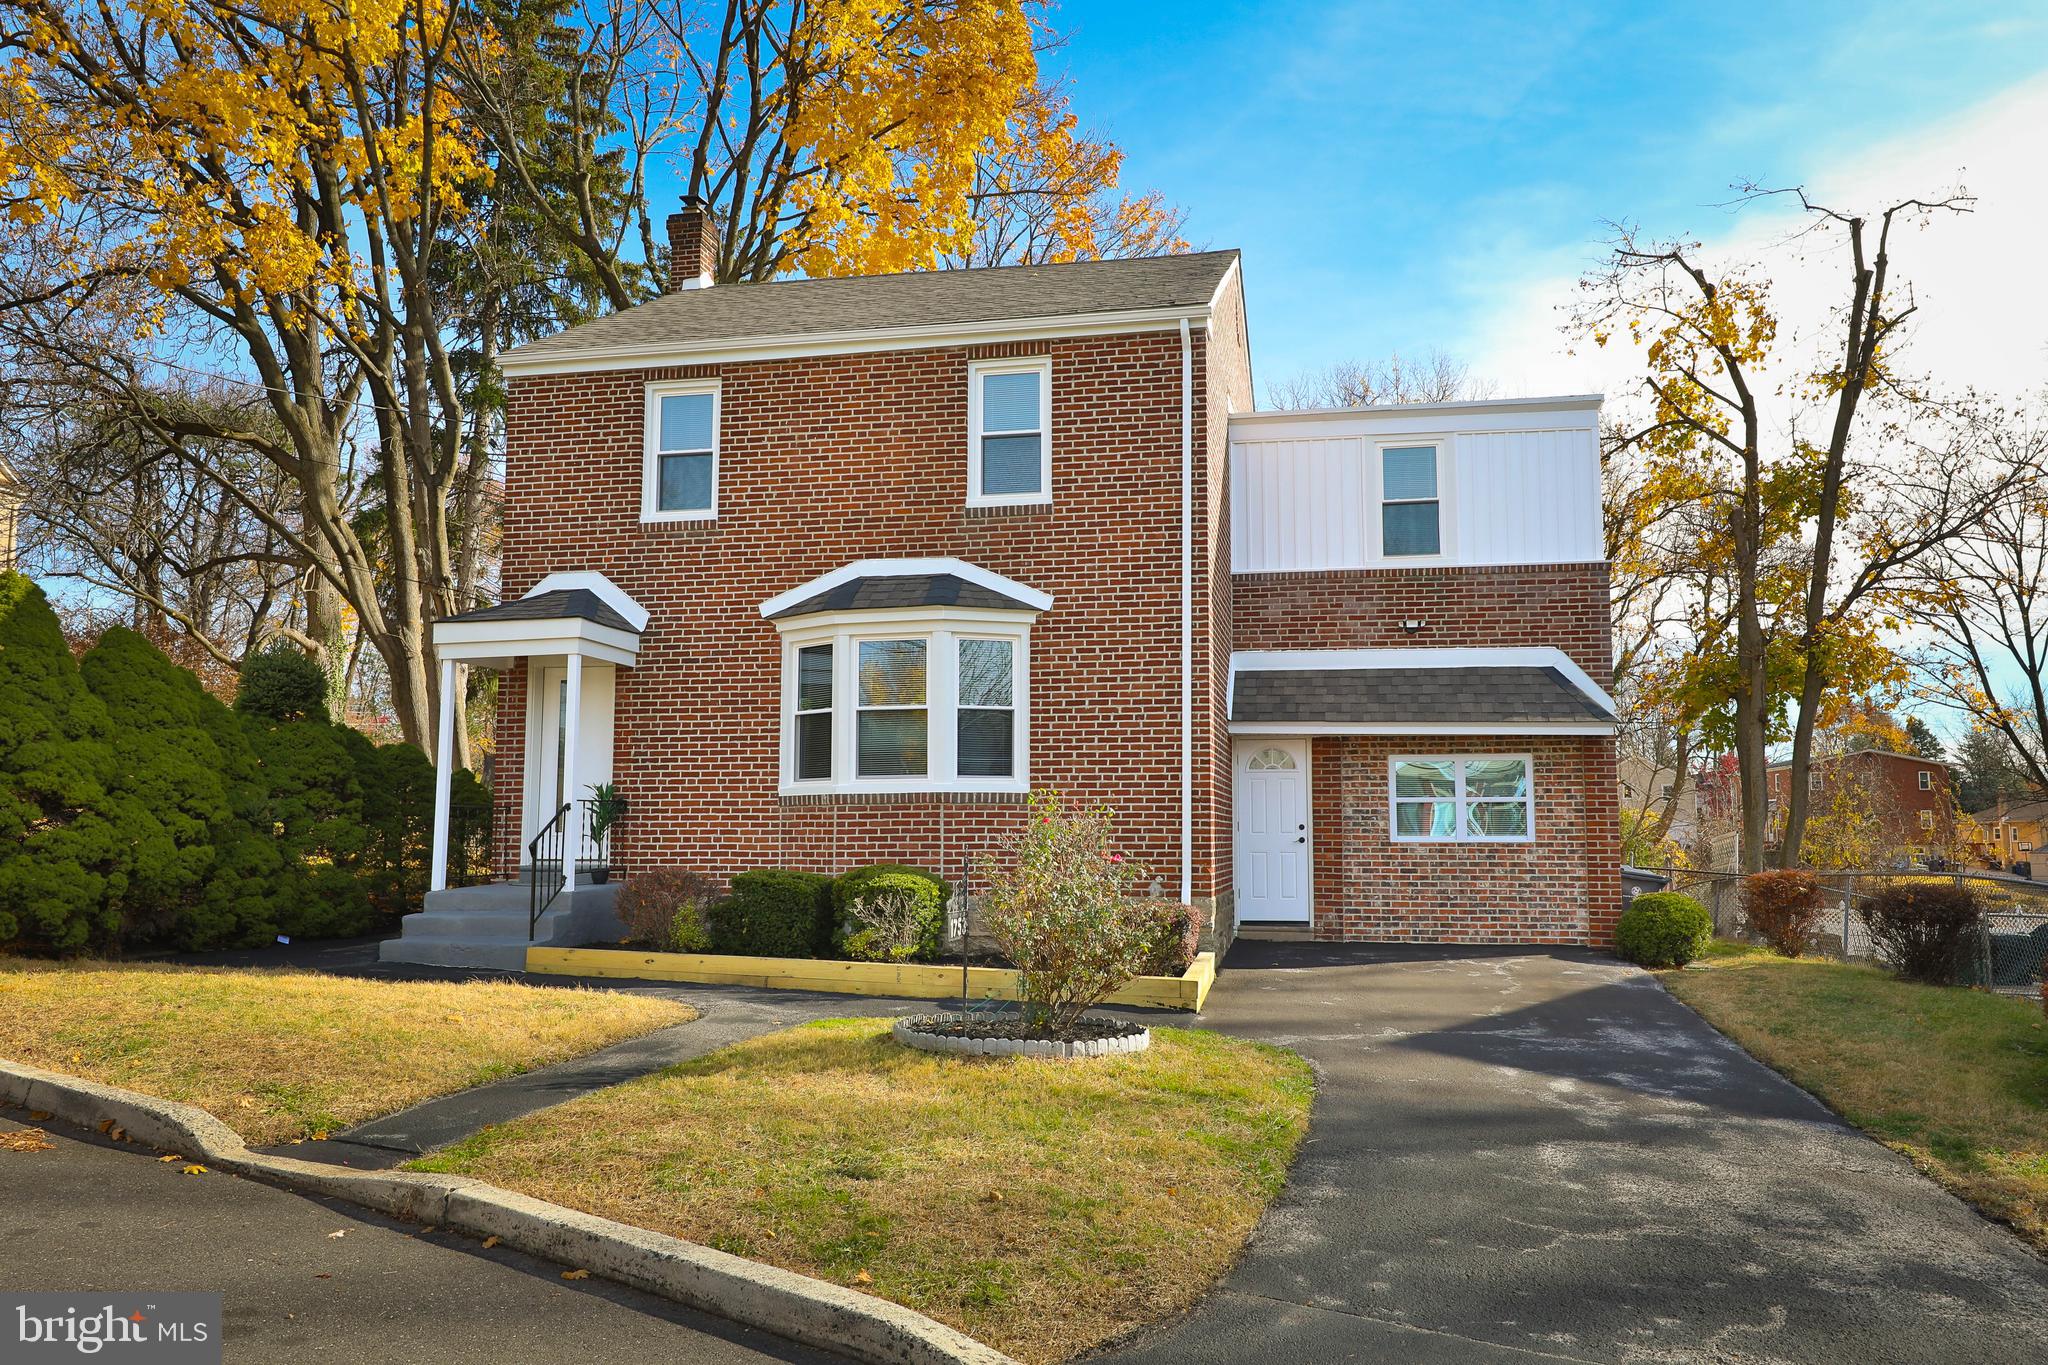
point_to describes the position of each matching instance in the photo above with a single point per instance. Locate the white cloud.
(1982, 291)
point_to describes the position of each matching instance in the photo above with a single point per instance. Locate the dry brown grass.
(282, 1054)
(1043, 1207)
(1955, 1079)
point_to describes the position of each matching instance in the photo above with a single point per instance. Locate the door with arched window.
(1272, 834)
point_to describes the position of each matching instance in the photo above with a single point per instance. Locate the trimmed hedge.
(774, 912)
(1924, 929)
(1663, 929)
(927, 892)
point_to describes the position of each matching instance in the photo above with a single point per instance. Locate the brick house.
(1908, 796)
(828, 572)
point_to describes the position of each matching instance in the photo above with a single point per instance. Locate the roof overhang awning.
(907, 589)
(580, 613)
(1509, 691)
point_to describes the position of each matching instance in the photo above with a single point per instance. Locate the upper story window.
(679, 475)
(1009, 431)
(1410, 510)
(1463, 800)
(1926, 780)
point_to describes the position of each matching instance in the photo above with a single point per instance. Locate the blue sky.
(1394, 171)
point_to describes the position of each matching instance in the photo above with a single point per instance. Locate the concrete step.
(1275, 931)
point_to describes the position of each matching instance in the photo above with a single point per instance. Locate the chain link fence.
(2009, 955)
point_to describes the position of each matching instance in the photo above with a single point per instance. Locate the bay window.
(875, 704)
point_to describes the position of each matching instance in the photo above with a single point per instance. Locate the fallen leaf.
(320, 1136)
(490, 1241)
(195, 1170)
(26, 1140)
(770, 1234)
(575, 1274)
(425, 1230)
(169, 1157)
(106, 1125)
(38, 1115)
(1172, 1190)
(119, 1135)
(246, 1102)
(863, 1278)
(324, 1275)
(338, 1232)
(994, 1197)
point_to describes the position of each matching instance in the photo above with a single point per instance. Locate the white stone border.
(1018, 1047)
(775, 1300)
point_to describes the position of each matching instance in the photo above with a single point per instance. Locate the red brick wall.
(1562, 888)
(1564, 605)
(832, 459)
(1887, 788)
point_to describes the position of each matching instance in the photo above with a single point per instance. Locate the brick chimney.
(692, 246)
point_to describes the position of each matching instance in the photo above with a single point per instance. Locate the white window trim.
(1458, 762)
(1927, 819)
(941, 629)
(1376, 532)
(650, 452)
(1926, 780)
(976, 370)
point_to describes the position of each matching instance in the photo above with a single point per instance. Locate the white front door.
(1271, 798)
(544, 794)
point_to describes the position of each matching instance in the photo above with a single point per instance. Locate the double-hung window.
(1410, 509)
(905, 707)
(1926, 780)
(1009, 431)
(679, 476)
(1462, 800)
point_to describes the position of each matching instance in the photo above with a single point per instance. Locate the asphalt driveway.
(1520, 1156)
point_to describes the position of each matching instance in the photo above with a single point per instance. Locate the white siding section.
(1519, 484)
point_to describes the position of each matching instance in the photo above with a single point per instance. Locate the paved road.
(1519, 1157)
(86, 1215)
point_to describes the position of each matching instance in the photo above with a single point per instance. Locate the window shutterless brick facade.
(827, 460)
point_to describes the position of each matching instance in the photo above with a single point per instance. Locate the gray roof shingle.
(552, 606)
(926, 298)
(1404, 696)
(904, 590)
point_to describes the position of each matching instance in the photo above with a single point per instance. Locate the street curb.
(779, 1301)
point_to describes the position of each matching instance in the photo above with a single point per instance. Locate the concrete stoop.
(485, 926)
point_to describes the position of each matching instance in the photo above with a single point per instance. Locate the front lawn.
(1955, 1079)
(281, 1054)
(1041, 1206)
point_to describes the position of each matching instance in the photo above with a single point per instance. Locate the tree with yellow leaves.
(1807, 535)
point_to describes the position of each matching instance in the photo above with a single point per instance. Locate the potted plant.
(607, 808)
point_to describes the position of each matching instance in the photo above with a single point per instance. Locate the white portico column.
(444, 777)
(572, 724)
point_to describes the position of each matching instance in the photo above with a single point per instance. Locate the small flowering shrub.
(1060, 904)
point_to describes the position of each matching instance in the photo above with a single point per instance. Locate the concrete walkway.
(85, 1215)
(1519, 1156)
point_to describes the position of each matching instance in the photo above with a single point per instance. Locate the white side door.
(544, 794)
(1272, 830)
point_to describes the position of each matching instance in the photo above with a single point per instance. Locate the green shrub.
(314, 808)
(914, 926)
(1177, 938)
(1060, 905)
(1922, 928)
(281, 683)
(1783, 909)
(66, 864)
(774, 912)
(189, 790)
(664, 909)
(1663, 929)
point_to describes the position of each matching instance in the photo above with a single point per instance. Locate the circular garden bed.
(1010, 1035)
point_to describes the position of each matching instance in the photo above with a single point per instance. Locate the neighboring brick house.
(842, 569)
(1909, 796)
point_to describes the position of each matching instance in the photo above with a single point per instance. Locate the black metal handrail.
(544, 866)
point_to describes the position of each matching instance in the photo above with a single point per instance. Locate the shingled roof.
(1412, 696)
(880, 591)
(552, 606)
(922, 299)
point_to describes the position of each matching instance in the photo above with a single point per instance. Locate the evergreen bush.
(774, 912)
(1663, 929)
(920, 896)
